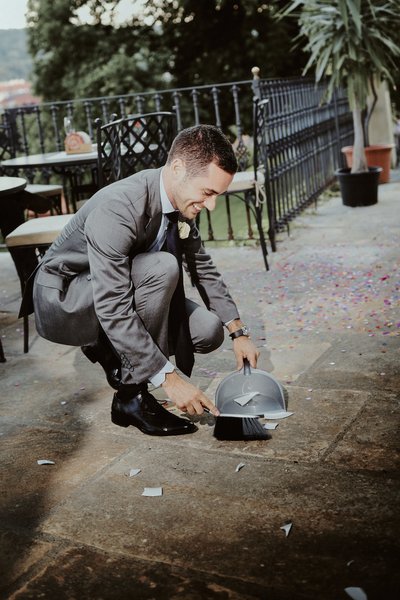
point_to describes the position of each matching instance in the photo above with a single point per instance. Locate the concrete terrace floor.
(326, 318)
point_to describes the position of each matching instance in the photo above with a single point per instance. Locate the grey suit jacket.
(85, 279)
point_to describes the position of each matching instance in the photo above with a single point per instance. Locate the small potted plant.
(352, 43)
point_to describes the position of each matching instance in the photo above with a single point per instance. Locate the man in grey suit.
(108, 285)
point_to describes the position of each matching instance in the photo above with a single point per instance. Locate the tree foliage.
(169, 43)
(350, 42)
(221, 40)
(73, 59)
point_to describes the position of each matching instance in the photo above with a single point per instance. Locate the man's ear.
(178, 168)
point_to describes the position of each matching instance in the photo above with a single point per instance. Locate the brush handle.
(246, 367)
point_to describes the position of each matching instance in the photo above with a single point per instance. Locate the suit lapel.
(153, 211)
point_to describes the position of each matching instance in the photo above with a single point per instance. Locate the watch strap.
(239, 333)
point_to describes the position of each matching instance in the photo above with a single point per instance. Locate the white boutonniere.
(183, 229)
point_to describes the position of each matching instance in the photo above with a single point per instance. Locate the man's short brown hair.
(201, 145)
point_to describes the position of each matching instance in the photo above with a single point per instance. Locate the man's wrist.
(234, 325)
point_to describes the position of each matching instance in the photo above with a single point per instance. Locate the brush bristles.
(236, 428)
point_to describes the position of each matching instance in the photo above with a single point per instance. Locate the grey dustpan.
(258, 391)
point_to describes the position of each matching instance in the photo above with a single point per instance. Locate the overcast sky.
(12, 12)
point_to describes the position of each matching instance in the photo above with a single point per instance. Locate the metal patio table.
(57, 162)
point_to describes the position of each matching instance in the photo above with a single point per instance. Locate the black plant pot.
(359, 189)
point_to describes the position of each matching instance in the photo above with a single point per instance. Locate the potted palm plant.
(352, 44)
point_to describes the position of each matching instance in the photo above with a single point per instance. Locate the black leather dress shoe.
(107, 359)
(144, 412)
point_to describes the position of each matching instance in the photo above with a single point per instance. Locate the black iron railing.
(40, 128)
(304, 135)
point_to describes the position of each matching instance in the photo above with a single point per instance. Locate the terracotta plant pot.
(377, 156)
(359, 189)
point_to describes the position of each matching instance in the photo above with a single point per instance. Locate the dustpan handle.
(246, 367)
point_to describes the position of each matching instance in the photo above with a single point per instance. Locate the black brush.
(230, 428)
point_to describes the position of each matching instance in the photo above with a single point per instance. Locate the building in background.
(16, 92)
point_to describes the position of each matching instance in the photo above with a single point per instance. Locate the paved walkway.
(327, 321)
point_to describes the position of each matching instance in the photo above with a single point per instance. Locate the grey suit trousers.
(154, 278)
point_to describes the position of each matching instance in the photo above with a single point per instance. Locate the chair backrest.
(6, 149)
(132, 144)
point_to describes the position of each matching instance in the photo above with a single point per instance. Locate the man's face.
(190, 195)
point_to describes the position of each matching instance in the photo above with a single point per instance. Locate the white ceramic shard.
(157, 491)
(356, 593)
(286, 528)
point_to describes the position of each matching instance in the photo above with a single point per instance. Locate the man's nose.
(210, 202)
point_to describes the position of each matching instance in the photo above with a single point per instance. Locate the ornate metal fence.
(304, 134)
(304, 137)
(40, 128)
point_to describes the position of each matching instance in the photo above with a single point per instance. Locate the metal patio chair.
(252, 186)
(133, 143)
(38, 235)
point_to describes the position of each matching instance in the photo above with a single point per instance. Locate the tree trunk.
(359, 158)
(369, 111)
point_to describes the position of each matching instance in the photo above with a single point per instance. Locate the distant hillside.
(15, 61)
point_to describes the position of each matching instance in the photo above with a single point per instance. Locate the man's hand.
(186, 396)
(243, 347)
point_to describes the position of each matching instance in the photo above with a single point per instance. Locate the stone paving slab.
(359, 361)
(83, 572)
(239, 515)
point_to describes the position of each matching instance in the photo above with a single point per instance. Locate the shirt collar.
(166, 205)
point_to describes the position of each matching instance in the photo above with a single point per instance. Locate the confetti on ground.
(356, 593)
(156, 491)
(239, 466)
(286, 528)
(321, 294)
(44, 461)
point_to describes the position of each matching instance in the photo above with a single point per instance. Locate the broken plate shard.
(240, 466)
(134, 472)
(157, 491)
(45, 462)
(286, 528)
(356, 593)
(277, 414)
(270, 425)
(245, 398)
